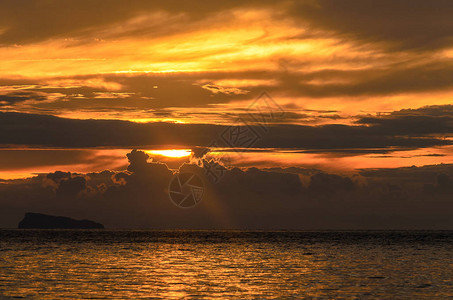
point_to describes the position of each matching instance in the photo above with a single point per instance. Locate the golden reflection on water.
(189, 267)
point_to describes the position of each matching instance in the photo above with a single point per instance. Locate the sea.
(177, 264)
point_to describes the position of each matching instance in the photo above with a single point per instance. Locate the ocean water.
(74, 264)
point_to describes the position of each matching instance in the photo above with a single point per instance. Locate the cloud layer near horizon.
(424, 127)
(400, 138)
(292, 198)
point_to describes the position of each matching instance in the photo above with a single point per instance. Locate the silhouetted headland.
(42, 221)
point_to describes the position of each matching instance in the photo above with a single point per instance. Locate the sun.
(171, 152)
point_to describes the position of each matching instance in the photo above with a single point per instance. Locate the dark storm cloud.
(71, 187)
(27, 129)
(328, 184)
(18, 97)
(45, 130)
(401, 24)
(291, 198)
(285, 117)
(412, 175)
(414, 122)
(433, 110)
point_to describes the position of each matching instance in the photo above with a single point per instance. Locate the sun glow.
(171, 153)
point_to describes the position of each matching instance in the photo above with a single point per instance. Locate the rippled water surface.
(227, 264)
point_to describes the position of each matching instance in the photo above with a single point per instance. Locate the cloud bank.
(270, 198)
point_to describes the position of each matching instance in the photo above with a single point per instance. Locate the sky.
(340, 93)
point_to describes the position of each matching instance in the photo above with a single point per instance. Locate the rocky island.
(43, 221)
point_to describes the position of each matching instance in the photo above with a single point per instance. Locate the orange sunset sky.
(355, 84)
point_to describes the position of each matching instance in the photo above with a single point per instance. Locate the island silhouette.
(43, 221)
